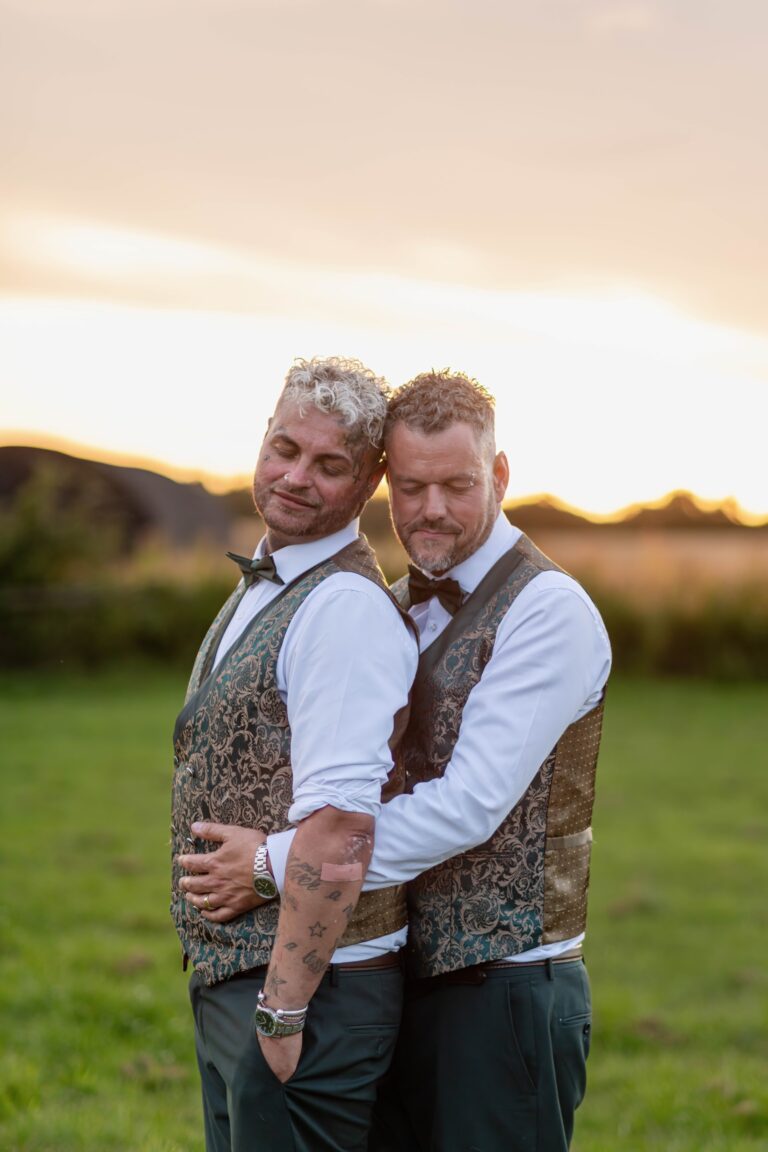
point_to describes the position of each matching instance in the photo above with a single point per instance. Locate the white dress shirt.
(344, 669)
(550, 663)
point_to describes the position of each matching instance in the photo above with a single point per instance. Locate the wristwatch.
(263, 880)
(278, 1021)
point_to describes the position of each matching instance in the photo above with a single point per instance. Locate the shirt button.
(432, 627)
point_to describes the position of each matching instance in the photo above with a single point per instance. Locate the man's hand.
(282, 1054)
(220, 883)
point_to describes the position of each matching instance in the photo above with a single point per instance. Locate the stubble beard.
(438, 563)
(431, 562)
(315, 522)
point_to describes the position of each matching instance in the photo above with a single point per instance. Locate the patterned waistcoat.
(232, 751)
(527, 885)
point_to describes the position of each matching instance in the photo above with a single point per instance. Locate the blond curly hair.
(344, 388)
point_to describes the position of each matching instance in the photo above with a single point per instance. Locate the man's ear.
(500, 475)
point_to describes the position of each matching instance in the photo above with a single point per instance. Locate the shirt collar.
(471, 571)
(296, 559)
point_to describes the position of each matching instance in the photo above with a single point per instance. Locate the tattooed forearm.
(323, 879)
(304, 874)
(314, 962)
(272, 983)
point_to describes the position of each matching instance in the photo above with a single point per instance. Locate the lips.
(289, 498)
(434, 533)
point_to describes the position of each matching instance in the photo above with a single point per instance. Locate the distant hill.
(543, 514)
(137, 501)
(679, 510)
(143, 502)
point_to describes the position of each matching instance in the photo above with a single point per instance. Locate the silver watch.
(263, 880)
(278, 1021)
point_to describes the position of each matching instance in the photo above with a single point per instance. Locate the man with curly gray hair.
(297, 697)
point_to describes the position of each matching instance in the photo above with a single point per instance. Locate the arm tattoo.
(272, 983)
(335, 895)
(291, 946)
(317, 929)
(314, 962)
(305, 875)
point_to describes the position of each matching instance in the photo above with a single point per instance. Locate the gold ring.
(206, 904)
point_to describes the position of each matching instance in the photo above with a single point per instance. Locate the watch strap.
(277, 1022)
(263, 880)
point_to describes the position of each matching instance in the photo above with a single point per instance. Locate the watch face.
(265, 1022)
(265, 887)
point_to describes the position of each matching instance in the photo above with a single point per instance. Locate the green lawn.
(97, 1051)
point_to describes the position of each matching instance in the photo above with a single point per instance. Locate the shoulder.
(555, 586)
(556, 604)
(355, 604)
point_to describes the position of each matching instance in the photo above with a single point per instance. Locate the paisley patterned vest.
(527, 885)
(232, 750)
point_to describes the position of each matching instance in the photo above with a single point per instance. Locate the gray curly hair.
(433, 401)
(343, 388)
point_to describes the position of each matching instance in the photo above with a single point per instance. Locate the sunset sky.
(565, 198)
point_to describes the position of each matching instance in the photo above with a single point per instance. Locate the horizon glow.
(605, 398)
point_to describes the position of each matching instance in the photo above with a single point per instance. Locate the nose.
(297, 475)
(434, 502)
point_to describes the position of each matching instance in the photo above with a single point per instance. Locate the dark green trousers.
(326, 1106)
(496, 1066)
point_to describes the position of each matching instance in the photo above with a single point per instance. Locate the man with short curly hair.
(290, 719)
(494, 833)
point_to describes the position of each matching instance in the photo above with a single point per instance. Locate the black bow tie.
(252, 570)
(421, 588)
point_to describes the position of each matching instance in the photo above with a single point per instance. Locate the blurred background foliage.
(101, 564)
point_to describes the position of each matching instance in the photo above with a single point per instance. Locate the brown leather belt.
(386, 960)
(478, 973)
(372, 964)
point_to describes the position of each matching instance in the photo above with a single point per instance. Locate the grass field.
(96, 1031)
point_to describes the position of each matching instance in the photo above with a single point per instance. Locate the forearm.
(324, 875)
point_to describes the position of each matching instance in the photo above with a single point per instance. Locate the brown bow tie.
(421, 588)
(253, 570)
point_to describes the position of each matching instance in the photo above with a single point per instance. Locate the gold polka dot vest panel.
(232, 764)
(527, 885)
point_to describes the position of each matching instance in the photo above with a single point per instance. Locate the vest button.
(190, 769)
